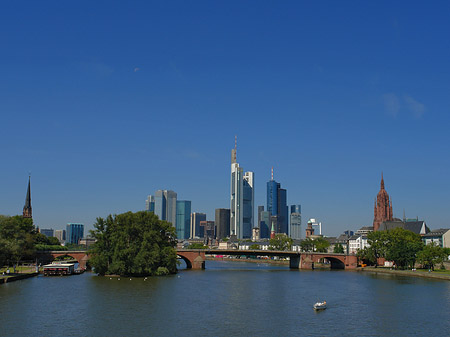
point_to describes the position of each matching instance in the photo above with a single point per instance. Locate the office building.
(208, 230)
(183, 224)
(165, 205)
(46, 232)
(264, 223)
(74, 232)
(150, 203)
(277, 205)
(222, 223)
(60, 234)
(295, 230)
(241, 201)
(196, 230)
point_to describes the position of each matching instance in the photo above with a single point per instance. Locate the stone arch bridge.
(195, 258)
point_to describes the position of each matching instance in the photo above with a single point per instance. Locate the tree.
(377, 242)
(431, 255)
(197, 245)
(135, 244)
(254, 246)
(314, 245)
(321, 245)
(307, 245)
(280, 242)
(402, 247)
(16, 239)
(338, 249)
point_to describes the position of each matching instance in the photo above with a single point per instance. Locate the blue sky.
(106, 102)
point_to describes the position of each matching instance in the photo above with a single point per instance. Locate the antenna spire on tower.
(235, 142)
(271, 175)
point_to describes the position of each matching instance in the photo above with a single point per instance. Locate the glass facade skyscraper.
(222, 221)
(166, 205)
(241, 203)
(150, 203)
(74, 232)
(295, 231)
(277, 205)
(183, 219)
(196, 230)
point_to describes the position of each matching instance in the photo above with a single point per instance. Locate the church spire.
(382, 181)
(27, 207)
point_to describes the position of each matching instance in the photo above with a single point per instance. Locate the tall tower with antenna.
(241, 198)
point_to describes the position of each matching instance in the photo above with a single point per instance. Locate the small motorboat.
(320, 306)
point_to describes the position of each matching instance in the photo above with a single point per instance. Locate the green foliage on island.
(338, 249)
(17, 236)
(133, 244)
(280, 242)
(314, 245)
(254, 246)
(197, 245)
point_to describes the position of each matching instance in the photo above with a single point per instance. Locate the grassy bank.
(437, 274)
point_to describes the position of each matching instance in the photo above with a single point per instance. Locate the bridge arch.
(336, 263)
(186, 260)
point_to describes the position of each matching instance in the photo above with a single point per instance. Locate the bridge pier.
(294, 262)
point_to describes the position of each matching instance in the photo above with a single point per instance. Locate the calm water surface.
(227, 299)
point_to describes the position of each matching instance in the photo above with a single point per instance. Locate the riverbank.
(16, 277)
(416, 273)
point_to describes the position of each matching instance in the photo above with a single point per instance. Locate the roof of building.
(355, 237)
(366, 228)
(437, 232)
(413, 226)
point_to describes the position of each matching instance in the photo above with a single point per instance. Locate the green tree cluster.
(314, 245)
(197, 245)
(16, 239)
(137, 244)
(398, 245)
(338, 249)
(43, 242)
(431, 255)
(280, 242)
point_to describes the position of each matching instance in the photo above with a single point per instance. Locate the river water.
(227, 299)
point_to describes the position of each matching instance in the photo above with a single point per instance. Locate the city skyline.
(329, 95)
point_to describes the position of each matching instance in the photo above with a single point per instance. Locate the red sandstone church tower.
(27, 207)
(383, 207)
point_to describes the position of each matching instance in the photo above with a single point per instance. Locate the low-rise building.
(357, 242)
(440, 236)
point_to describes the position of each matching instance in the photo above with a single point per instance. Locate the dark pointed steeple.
(27, 208)
(382, 181)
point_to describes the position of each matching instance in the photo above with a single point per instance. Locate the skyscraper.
(222, 221)
(295, 231)
(75, 232)
(196, 230)
(166, 205)
(150, 203)
(242, 196)
(277, 205)
(263, 223)
(27, 211)
(60, 234)
(183, 225)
